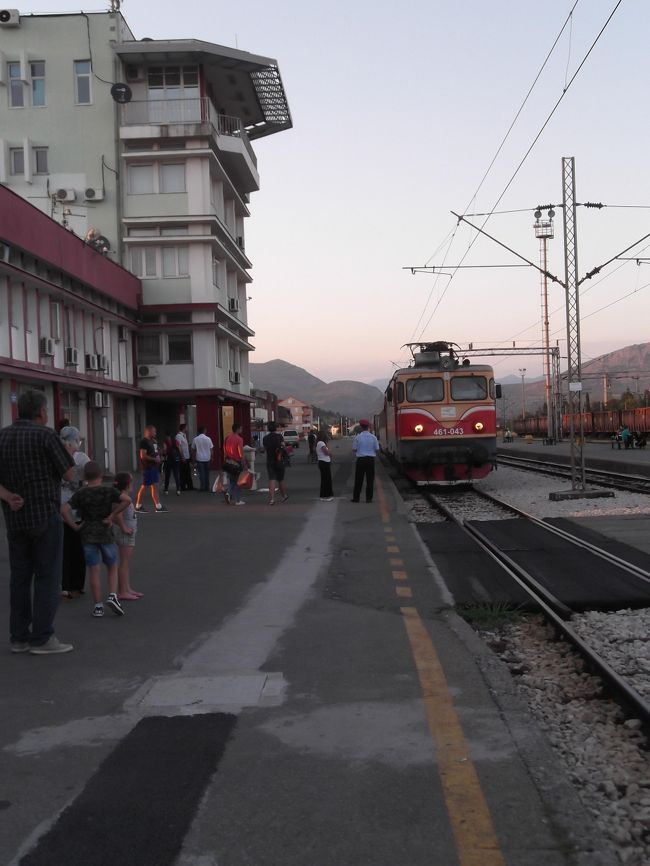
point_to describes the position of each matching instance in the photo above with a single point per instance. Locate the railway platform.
(294, 689)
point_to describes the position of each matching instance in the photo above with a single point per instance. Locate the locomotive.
(438, 422)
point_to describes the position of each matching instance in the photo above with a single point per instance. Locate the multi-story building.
(302, 415)
(144, 147)
(67, 326)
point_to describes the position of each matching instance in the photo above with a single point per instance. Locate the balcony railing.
(163, 112)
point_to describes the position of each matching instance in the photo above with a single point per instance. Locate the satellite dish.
(121, 93)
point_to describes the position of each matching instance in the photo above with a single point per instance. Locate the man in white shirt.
(365, 446)
(184, 448)
(202, 447)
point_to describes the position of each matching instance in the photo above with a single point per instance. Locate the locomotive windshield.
(469, 388)
(429, 390)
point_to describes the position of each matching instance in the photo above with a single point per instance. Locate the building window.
(17, 157)
(178, 318)
(179, 348)
(40, 160)
(172, 177)
(149, 349)
(175, 262)
(217, 350)
(143, 261)
(16, 89)
(82, 76)
(140, 179)
(215, 272)
(38, 83)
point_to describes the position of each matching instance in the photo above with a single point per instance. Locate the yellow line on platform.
(392, 548)
(396, 563)
(469, 815)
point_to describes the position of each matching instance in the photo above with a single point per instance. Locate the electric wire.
(499, 149)
(534, 142)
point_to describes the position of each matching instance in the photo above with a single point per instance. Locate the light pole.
(522, 373)
(544, 231)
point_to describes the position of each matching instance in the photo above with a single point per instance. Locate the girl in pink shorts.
(124, 531)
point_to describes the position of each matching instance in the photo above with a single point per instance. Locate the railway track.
(601, 477)
(471, 507)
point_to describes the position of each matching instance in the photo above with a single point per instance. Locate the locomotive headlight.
(478, 426)
(419, 428)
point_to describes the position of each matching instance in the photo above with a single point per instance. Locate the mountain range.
(627, 368)
(349, 398)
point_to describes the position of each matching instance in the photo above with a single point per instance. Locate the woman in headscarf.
(73, 572)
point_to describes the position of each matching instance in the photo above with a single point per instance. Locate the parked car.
(291, 437)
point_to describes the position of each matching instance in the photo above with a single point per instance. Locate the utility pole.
(574, 363)
(522, 373)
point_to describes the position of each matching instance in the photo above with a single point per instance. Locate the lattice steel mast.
(574, 364)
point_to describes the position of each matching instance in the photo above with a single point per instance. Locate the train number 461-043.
(451, 431)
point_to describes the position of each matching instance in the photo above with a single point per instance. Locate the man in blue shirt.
(365, 446)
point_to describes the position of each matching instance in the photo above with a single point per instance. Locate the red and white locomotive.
(439, 417)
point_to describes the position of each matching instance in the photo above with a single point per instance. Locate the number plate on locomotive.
(452, 431)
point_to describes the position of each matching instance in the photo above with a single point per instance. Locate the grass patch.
(489, 615)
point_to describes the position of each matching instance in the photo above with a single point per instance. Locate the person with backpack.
(276, 461)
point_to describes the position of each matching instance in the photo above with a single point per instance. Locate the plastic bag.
(220, 483)
(245, 480)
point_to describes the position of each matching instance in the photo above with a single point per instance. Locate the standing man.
(365, 446)
(202, 447)
(150, 463)
(184, 448)
(33, 462)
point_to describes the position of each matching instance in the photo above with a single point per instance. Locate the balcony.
(163, 118)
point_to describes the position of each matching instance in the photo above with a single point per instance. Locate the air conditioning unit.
(71, 356)
(146, 372)
(47, 347)
(134, 73)
(93, 194)
(240, 242)
(9, 18)
(91, 362)
(65, 195)
(106, 400)
(97, 399)
(122, 334)
(102, 363)
(234, 376)
(233, 305)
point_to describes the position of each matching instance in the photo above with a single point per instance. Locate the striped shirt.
(32, 462)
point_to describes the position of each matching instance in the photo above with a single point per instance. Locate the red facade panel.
(25, 227)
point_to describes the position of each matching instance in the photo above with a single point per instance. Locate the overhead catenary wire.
(535, 140)
(496, 155)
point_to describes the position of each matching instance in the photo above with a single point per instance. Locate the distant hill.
(349, 398)
(626, 369)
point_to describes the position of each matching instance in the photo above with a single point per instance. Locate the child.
(125, 526)
(97, 505)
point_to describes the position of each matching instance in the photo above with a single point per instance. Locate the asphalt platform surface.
(294, 689)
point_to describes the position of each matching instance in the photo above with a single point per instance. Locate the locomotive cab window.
(429, 390)
(469, 388)
(400, 392)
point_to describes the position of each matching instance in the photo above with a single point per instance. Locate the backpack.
(282, 456)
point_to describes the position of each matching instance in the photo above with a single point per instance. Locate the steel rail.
(616, 480)
(556, 613)
(623, 564)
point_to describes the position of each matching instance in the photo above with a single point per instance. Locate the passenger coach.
(438, 422)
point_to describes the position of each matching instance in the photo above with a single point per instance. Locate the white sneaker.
(241, 502)
(51, 645)
(326, 498)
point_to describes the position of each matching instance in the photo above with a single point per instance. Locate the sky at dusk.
(398, 111)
